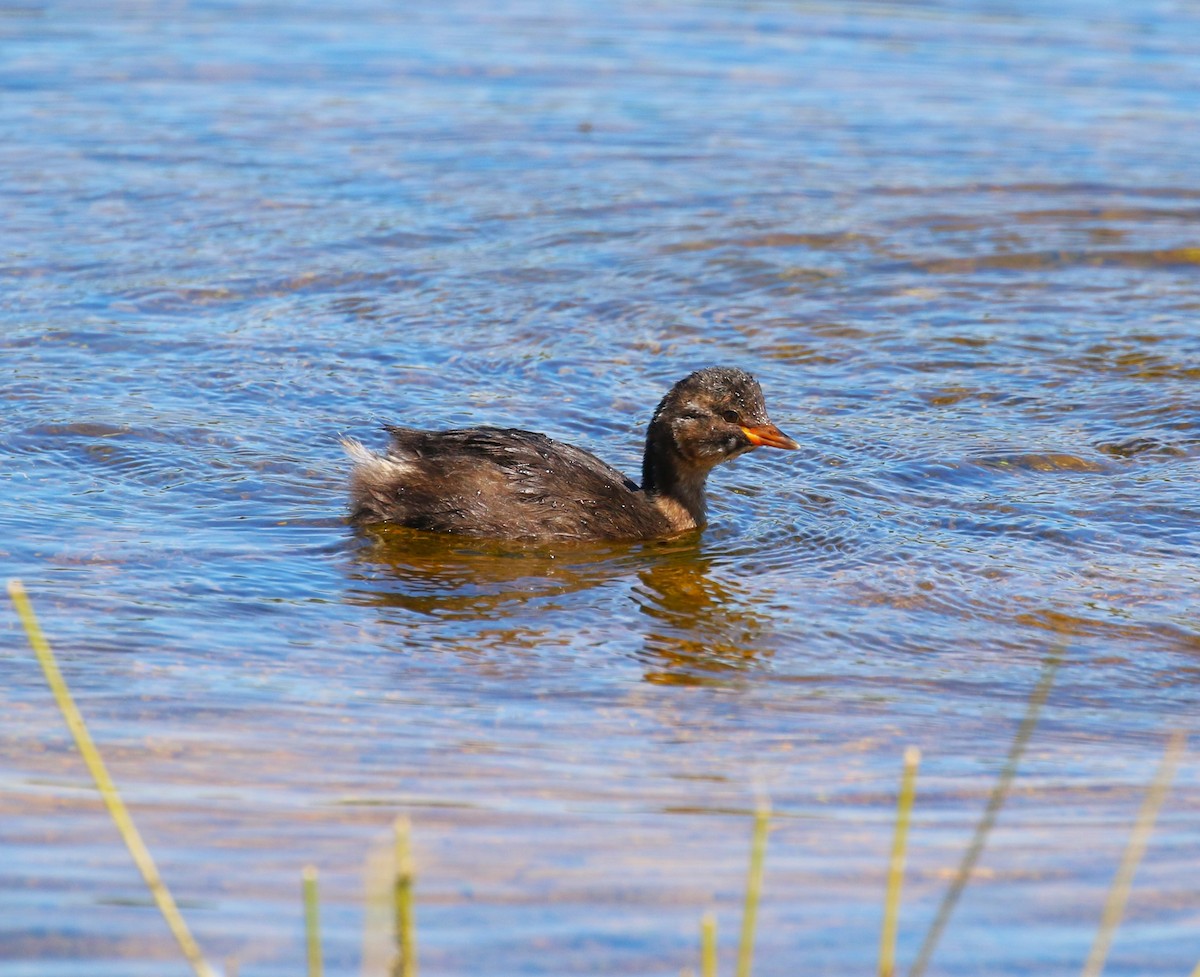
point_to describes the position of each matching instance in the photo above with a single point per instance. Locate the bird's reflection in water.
(702, 628)
(699, 629)
(455, 577)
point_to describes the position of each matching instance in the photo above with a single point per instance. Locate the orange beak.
(769, 436)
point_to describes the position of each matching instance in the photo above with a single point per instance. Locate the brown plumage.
(511, 484)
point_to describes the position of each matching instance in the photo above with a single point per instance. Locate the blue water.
(956, 244)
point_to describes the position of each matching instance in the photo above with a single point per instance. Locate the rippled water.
(958, 246)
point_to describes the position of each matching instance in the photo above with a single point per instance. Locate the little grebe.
(511, 484)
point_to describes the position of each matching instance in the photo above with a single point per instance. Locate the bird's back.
(498, 482)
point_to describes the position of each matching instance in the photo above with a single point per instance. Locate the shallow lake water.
(957, 244)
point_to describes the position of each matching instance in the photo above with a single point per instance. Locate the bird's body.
(511, 484)
(450, 481)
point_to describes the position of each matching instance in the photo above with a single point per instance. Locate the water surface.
(957, 245)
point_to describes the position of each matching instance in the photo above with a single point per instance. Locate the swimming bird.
(504, 483)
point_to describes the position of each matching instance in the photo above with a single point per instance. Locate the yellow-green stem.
(758, 851)
(708, 945)
(1118, 893)
(891, 903)
(104, 783)
(312, 923)
(970, 858)
(406, 930)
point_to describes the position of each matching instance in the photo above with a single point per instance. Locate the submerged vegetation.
(402, 875)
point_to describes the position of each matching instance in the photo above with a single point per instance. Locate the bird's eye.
(731, 416)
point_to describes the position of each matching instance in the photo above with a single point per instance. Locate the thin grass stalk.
(758, 852)
(891, 902)
(1139, 837)
(708, 945)
(999, 794)
(379, 911)
(312, 922)
(405, 964)
(104, 783)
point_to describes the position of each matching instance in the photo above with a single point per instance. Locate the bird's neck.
(675, 488)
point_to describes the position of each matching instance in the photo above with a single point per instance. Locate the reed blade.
(1037, 699)
(708, 945)
(891, 902)
(405, 964)
(1139, 837)
(312, 922)
(758, 852)
(104, 783)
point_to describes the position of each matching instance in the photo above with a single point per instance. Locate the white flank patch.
(359, 453)
(377, 469)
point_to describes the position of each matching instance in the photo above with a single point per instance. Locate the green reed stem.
(891, 902)
(758, 852)
(999, 794)
(405, 964)
(312, 922)
(708, 945)
(104, 783)
(1118, 893)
